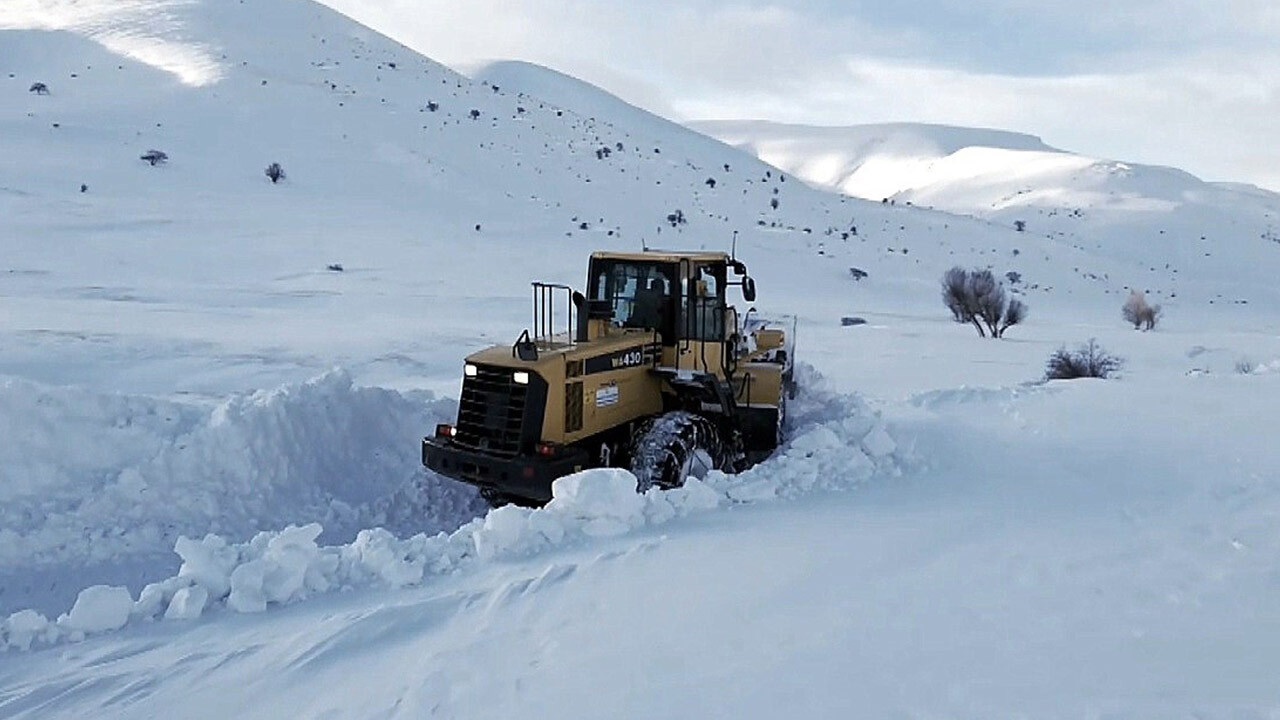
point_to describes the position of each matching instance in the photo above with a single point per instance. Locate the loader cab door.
(702, 305)
(640, 294)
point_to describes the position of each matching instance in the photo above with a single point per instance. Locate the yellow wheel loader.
(651, 369)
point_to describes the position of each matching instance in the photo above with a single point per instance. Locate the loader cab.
(682, 298)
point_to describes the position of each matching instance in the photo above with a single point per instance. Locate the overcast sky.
(1189, 83)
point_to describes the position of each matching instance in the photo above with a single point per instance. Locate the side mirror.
(749, 289)
(739, 267)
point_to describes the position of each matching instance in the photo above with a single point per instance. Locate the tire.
(670, 448)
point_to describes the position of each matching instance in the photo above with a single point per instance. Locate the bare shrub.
(1086, 361)
(154, 157)
(1137, 311)
(275, 172)
(978, 298)
(39, 88)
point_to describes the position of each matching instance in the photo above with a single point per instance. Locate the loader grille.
(491, 412)
(573, 407)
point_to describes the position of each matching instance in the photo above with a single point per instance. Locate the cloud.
(1211, 115)
(1174, 82)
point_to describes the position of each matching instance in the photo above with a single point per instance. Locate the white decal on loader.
(606, 396)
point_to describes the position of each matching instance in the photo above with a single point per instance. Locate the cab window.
(639, 294)
(702, 309)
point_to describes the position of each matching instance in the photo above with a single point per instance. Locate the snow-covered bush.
(976, 297)
(155, 157)
(275, 172)
(1086, 361)
(1137, 311)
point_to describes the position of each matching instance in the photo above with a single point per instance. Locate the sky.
(1193, 84)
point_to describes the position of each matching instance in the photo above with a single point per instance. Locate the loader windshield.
(639, 293)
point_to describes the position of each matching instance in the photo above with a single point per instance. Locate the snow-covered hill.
(968, 169)
(1136, 211)
(167, 339)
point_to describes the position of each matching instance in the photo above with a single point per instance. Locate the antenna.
(733, 251)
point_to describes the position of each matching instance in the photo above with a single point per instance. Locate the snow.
(98, 609)
(187, 603)
(103, 480)
(286, 566)
(222, 524)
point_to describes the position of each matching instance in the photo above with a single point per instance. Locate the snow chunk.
(98, 609)
(878, 444)
(208, 562)
(187, 604)
(156, 596)
(280, 575)
(695, 496)
(505, 530)
(25, 626)
(604, 500)
(379, 554)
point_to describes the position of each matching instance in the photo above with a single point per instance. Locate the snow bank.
(87, 477)
(837, 443)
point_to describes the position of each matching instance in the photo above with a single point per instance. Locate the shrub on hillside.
(154, 157)
(275, 172)
(39, 88)
(1086, 361)
(976, 297)
(1137, 311)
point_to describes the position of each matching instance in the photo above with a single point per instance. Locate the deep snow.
(1070, 549)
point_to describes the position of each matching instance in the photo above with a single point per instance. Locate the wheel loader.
(650, 369)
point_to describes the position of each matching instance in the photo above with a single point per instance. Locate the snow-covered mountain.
(1016, 178)
(952, 538)
(969, 169)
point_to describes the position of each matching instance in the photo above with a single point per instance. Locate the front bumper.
(524, 476)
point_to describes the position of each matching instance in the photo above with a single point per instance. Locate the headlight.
(470, 370)
(520, 377)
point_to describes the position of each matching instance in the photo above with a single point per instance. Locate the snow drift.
(838, 443)
(92, 478)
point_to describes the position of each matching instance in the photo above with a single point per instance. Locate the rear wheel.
(673, 447)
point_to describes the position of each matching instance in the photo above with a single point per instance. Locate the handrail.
(544, 312)
(685, 273)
